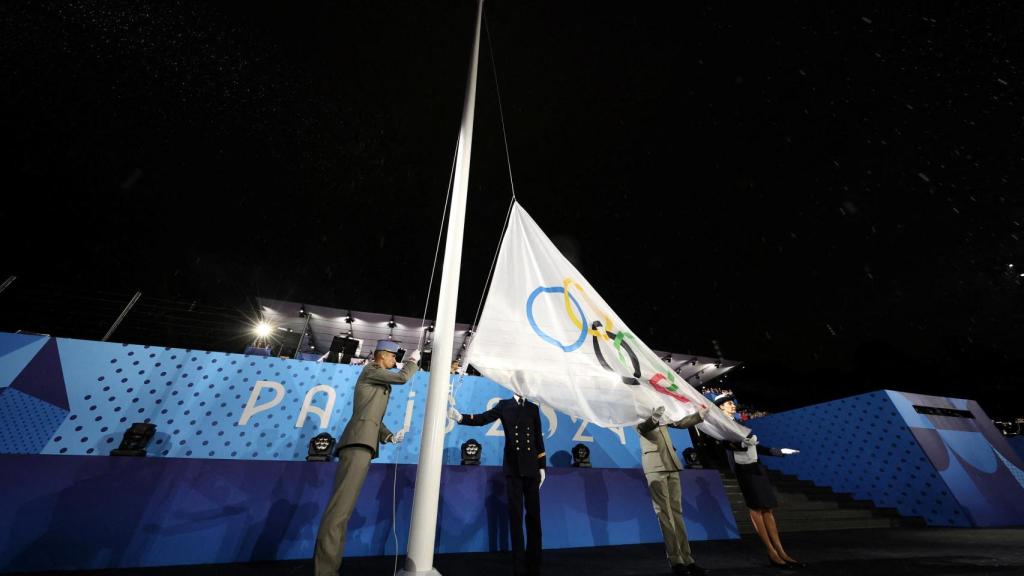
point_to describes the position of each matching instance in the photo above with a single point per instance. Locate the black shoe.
(784, 566)
(680, 569)
(795, 564)
(694, 570)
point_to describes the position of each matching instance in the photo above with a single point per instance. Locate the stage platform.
(898, 551)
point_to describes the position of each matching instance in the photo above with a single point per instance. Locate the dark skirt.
(757, 490)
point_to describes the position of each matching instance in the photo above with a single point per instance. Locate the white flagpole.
(423, 525)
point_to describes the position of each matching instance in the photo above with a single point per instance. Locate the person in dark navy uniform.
(524, 465)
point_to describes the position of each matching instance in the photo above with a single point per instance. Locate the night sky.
(828, 192)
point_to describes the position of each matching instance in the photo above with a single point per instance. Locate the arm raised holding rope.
(359, 444)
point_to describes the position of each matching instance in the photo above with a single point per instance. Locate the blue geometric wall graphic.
(951, 471)
(43, 377)
(26, 422)
(199, 401)
(16, 351)
(1017, 473)
(1017, 442)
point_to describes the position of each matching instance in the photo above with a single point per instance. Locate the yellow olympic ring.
(608, 325)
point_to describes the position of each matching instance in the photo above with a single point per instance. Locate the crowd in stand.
(1010, 428)
(744, 412)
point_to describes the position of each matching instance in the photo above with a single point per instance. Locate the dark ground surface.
(905, 551)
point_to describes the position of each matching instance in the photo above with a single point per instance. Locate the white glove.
(454, 414)
(788, 451)
(703, 411)
(657, 414)
(541, 478)
(750, 441)
(414, 357)
(397, 437)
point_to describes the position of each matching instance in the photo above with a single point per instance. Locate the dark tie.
(520, 401)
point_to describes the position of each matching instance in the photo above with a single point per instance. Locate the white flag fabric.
(547, 335)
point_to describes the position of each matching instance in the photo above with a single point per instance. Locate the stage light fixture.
(321, 448)
(392, 323)
(471, 452)
(580, 456)
(302, 311)
(262, 329)
(135, 439)
(690, 459)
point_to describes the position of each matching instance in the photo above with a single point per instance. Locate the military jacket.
(524, 438)
(373, 390)
(658, 454)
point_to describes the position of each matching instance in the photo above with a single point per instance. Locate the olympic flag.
(547, 335)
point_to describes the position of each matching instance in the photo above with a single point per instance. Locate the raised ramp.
(806, 507)
(937, 458)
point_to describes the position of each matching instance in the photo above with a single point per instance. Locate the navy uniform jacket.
(524, 439)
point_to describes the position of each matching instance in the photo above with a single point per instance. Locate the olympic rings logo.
(601, 331)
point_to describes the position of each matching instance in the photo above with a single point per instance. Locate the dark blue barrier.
(1017, 442)
(79, 512)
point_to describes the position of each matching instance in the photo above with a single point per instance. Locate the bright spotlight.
(263, 330)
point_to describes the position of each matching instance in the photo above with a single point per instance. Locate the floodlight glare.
(262, 330)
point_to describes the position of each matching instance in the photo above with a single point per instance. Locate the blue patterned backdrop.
(63, 396)
(950, 471)
(1017, 442)
(227, 482)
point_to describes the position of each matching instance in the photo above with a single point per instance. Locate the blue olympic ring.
(533, 323)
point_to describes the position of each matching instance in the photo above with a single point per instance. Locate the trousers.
(353, 465)
(524, 490)
(667, 497)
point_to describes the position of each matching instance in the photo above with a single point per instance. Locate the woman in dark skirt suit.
(757, 490)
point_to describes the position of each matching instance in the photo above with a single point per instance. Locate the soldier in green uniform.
(661, 468)
(358, 445)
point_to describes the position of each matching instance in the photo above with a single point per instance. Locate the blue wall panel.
(972, 457)
(1017, 443)
(26, 422)
(75, 512)
(198, 401)
(16, 351)
(875, 446)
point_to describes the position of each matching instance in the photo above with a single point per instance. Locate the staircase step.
(835, 514)
(824, 524)
(836, 524)
(803, 506)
